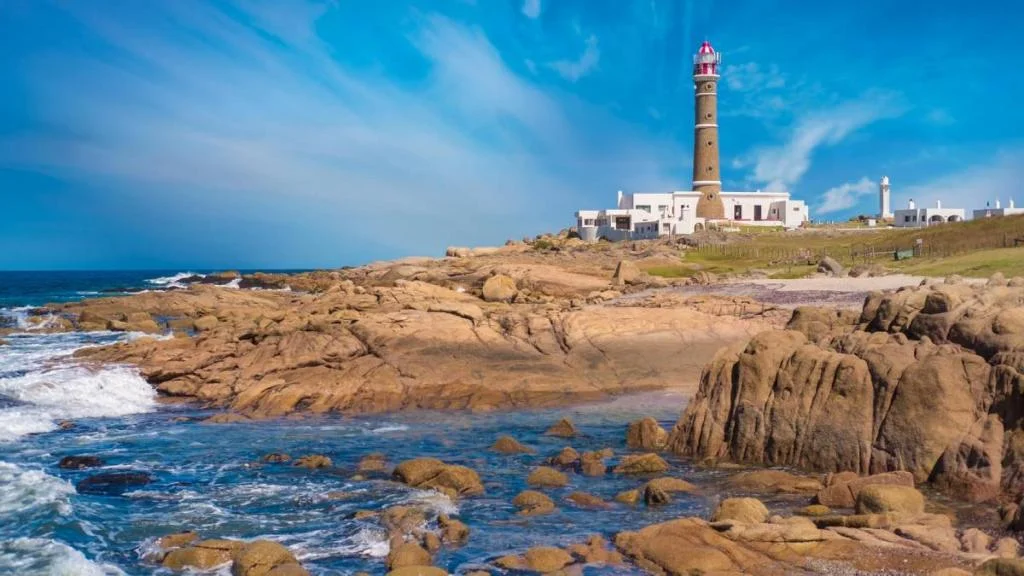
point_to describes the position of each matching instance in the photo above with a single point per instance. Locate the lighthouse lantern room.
(706, 61)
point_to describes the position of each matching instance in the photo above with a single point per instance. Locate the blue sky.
(241, 133)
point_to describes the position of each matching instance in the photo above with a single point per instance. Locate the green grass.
(980, 264)
(678, 271)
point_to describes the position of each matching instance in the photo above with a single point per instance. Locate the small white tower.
(884, 212)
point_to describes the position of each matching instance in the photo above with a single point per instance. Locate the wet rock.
(314, 462)
(564, 428)
(547, 559)
(176, 540)
(431, 542)
(66, 425)
(596, 551)
(277, 458)
(266, 558)
(112, 483)
(509, 445)
(586, 500)
(373, 463)
(532, 503)
(628, 496)
(641, 464)
(431, 473)
(882, 498)
(453, 532)
(592, 463)
(499, 288)
(659, 491)
(646, 434)
(842, 489)
(79, 462)
(203, 555)
(547, 477)
(746, 510)
(403, 520)
(407, 554)
(772, 482)
(567, 458)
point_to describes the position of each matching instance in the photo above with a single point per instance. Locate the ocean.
(210, 478)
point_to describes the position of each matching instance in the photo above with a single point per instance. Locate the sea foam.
(45, 557)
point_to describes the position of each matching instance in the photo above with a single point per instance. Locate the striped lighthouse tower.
(707, 177)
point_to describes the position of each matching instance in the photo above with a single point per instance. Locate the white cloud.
(845, 196)
(531, 8)
(970, 187)
(223, 120)
(573, 70)
(781, 167)
(750, 77)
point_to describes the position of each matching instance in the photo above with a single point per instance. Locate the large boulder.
(745, 510)
(884, 498)
(831, 266)
(842, 489)
(626, 272)
(431, 473)
(265, 558)
(772, 481)
(499, 288)
(203, 555)
(646, 434)
(509, 445)
(564, 428)
(532, 503)
(641, 464)
(547, 477)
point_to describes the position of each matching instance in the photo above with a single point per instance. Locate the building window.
(644, 207)
(588, 222)
(709, 86)
(710, 169)
(710, 143)
(906, 218)
(708, 116)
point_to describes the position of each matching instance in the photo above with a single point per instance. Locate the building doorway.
(757, 212)
(737, 212)
(622, 223)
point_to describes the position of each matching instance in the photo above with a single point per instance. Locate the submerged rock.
(313, 462)
(547, 477)
(112, 483)
(79, 462)
(277, 458)
(564, 428)
(509, 445)
(641, 464)
(646, 434)
(532, 503)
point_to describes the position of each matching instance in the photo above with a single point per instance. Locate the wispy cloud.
(531, 8)
(265, 125)
(573, 70)
(845, 196)
(752, 77)
(781, 167)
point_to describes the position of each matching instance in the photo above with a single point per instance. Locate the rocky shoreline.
(920, 386)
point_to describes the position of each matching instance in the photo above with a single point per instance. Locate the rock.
(265, 558)
(532, 503)
(176, 540)
(746, 510)
(205, 323)
(204, 555)
(314, 461)
(882, 498)
(453, 532)
(772, 482)
(567, 458)
(659, 490)
(586, 500)
(592, 463)
(641, 464)
(225, 418)
(372, 463)
(626, 272)
(407, 554)
(628, 497)
(843, 490)
(403, 520)
(1001, 567)
(547, 477)
(432, 473)
(646, 434)
(1007, 548)
(431, 542)
(509, 445)
(814, 510)
(112, 483)
(940, 538)
(547, 559)
(564, 428)
(595, 551)
(499, 288)
(830, 266)
(704, 278)
(975, 541)
(687, 546)
(66, 425)
(277, 458)
(79, 462)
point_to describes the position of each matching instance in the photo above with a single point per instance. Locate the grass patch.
(675, 271)
(980, 264)
(793, 272)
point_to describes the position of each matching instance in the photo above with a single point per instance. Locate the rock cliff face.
(927, 380)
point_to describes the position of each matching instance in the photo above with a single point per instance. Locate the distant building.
(914, 217)
(884, 211)
(649, 215)
(988, 212)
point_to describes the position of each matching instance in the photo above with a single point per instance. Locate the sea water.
(210, 478)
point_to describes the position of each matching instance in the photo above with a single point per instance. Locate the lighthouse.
(884, 212)
(707, 177)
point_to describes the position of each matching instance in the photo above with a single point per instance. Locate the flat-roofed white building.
(988, 212)
(642, 215)
(914, 217)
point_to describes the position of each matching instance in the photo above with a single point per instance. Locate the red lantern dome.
(706, 60)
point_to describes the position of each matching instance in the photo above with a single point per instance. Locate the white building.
(884, 211)
(998, 211)
(914, 217)
(649, 215)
